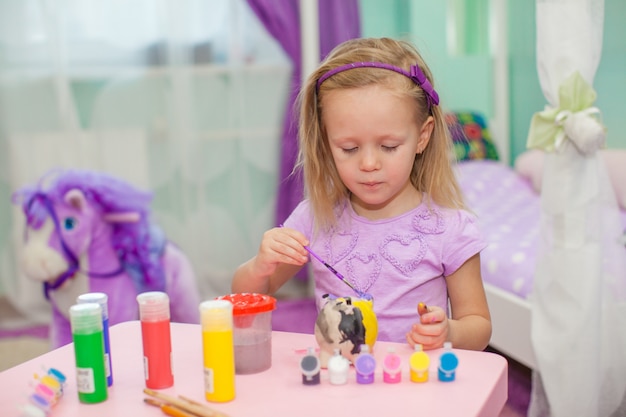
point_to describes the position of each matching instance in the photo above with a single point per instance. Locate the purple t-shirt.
(400, 261)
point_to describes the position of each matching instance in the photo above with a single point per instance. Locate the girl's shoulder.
(451, 213)
(301, 218)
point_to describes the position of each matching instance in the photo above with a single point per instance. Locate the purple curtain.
(339, 21)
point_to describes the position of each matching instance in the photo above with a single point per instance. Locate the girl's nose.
(369, 161)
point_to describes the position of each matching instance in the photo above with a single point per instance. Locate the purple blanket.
(508, 210)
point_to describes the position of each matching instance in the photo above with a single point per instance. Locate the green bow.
(546, 127)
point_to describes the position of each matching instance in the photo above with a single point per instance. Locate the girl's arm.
(281, 255)
(470, 325)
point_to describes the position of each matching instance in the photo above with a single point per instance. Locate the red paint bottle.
(154, 313)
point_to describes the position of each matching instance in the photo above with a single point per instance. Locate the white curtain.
(182, 97)
(579, 298)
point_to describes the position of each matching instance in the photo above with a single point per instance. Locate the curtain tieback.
(575, 118)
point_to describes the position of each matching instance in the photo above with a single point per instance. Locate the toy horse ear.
(75, 198)
(123, 217)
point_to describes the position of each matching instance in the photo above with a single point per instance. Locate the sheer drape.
(185, 98)
(579, 296)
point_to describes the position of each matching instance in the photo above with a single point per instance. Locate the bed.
(508, 211)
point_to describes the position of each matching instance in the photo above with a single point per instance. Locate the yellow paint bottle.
(419, 363)
(218, 350)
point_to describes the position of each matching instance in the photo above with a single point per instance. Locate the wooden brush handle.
(195, 408)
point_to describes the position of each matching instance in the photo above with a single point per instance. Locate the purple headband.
(416, 75)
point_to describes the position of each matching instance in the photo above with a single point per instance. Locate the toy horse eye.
(69, 223)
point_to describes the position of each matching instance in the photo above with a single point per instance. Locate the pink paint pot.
(252, 332)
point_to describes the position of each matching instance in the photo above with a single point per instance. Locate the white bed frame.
(510, 320)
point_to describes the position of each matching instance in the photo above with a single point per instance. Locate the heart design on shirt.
(339, 244)
(370, 263)
(428, 221)
(404, 252)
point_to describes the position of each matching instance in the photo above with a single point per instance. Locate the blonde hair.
(432, 169)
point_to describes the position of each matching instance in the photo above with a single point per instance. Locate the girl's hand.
(280, 245)
(431, 330)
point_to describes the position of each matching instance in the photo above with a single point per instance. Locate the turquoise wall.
(465, 81)
(610, 81)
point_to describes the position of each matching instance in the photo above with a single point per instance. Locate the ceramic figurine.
(345, 323)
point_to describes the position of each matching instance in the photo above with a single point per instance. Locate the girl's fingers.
(429, 315)
(427, 342)
(422, 308)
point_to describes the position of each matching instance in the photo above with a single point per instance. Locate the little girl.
(382, 203)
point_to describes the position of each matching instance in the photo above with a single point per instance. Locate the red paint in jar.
(156, 338)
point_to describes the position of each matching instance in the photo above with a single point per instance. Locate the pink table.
(480, 388)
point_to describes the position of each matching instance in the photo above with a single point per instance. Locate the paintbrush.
(170, 410)
(334, 271)
(189, 406)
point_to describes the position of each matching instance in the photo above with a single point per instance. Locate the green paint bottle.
(88, 337)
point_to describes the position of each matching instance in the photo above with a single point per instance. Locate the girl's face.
(374, 137)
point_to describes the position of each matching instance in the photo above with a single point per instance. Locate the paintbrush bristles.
(192, 407)
(153, 402)
(170, 410)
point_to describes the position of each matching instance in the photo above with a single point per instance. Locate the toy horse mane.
(138, 244)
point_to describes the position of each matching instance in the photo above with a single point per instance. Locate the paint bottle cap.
(392, 362)
(365, 366)
(310, 368)
(216, 315)
(98, 298)
(46, 392)
(58, 375)
(53, 383)
(310, 364)
(40, 401)
(419, 360)
(338, 368)
(86, 318)
(448, 362)
(153, 306)
(31, 410)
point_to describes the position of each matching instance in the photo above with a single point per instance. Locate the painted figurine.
(345, 323)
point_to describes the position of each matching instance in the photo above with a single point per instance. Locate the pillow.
(530, 165)
(470, 136)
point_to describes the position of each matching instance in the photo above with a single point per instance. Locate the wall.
(465, 82)
(610, 80)
(609, 83)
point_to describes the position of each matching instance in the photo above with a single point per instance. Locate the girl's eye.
(69, 223)
(350, 150)
(390, 148)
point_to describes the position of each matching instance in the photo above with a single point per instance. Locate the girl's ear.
(425, 133)
(122, 217)
(75, 198)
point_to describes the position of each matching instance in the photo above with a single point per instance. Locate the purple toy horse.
(90, 232)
